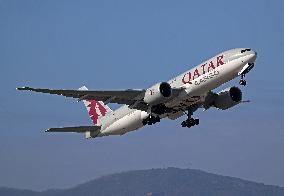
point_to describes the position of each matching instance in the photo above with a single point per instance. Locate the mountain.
(160, 182)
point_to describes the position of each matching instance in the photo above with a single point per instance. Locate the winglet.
(25, 88)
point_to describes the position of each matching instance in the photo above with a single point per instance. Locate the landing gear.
(190, 122)
(244, 71)
(150, 120)
(242, 81)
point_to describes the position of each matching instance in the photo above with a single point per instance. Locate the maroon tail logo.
(93, 112)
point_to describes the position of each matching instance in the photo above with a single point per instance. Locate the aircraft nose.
(253, 55)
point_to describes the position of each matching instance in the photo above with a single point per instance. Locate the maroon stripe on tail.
(93, 104)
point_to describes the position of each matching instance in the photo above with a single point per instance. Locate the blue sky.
(134, 44)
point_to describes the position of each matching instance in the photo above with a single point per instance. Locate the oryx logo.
(96, 110)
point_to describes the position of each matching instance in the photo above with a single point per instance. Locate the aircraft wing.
(121, 97)
(81, 129)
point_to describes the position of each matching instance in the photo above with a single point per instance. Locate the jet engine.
(228, 98)
(158, 93)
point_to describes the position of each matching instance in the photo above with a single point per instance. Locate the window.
(247, 49)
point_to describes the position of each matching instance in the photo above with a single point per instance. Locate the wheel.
(243, 82)
(184, 124)
(196, 121)
(191, 122)
(188, 125)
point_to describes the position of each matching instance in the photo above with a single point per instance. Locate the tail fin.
(96, 109)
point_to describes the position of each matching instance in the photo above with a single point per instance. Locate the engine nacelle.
(228, 98)
(158, 93)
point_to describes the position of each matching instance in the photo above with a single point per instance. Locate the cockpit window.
(247, 49)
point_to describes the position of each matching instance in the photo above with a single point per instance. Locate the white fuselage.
(196, 83)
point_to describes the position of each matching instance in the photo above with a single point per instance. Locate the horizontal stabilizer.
(80, 129)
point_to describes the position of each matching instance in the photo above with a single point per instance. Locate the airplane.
(182, 95)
